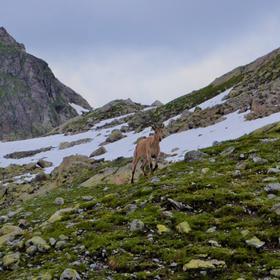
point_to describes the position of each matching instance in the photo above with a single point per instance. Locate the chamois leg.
(143, 165)
(156, 166)
(134, 165)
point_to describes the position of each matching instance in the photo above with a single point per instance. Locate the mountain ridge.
(32, 99)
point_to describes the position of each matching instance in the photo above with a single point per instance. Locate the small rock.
(194, 156)
(3, 219)
(11, 260)
(57, 216)
(258, 160)
(275, 272)
(162, 229)
(39, 243)
(87, 198)
(236, 174)
(245, 232)
(272, 187)
(202, 264)
(60, 244)
(167, 214)
(11, 214)
(214, 243)
(255, 242)
(269, 179)
(276, 208)
(63, 237)
(137, 225)
(98, 152)
(155, 180)
(183, 227)
(52, 241)
(211, 229)
(273, 171)
(31, 250)
(70, 274)
(59, 201)
(271, 196)
(205, 170)
(22, 223)
(228, 151)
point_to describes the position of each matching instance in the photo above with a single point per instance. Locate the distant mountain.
(32, 100)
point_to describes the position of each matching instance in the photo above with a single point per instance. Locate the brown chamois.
(146, 150)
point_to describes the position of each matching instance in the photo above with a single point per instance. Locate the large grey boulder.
(194, 155)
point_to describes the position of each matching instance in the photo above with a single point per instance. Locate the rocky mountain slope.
(67, 210)
(213, 216)
(32, 100)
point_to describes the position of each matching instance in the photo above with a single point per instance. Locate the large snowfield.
(233, 126)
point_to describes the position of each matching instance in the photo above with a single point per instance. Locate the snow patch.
(79, 109)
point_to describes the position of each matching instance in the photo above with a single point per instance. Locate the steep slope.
(32, 100)
(215, 218)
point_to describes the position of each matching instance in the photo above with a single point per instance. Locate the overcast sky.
(142, 49)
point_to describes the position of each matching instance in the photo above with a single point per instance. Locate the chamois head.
(158, 128)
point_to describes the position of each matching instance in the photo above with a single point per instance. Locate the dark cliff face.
(32, 100)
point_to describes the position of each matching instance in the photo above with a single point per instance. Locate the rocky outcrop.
(32, 99)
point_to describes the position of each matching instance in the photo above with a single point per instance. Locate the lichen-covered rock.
(255, 242)
(70, 274)
(115, 135)
(9, 232)
(194, 156)
(183, 227)
(59, 201)
(272, 187)
(58, 215)
(204, 264)
(39, 243)
(136, 225)
(98, 152)
(162, 229)
(11, 260)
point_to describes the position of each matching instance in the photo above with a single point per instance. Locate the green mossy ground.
(218, 199)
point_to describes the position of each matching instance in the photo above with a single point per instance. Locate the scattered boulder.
(40, 177)
(183, 227)
(194, 156)
(11, 260)
(24, 154)
(66, 145)
(43, 163)
(204, 264)
(70, 167)
(136, 226)
(258, 160)
(273, 171)
(272, 187)
(162, 229)
(255, 242)
(275, 272)
(114, 136)
(39, 243)
(59, 201)
(228, 151)
(98, 152)
(276, 208)
(57, 216)
(8, 233)
(70, 274)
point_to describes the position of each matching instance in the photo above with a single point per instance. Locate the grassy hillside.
(221, 209)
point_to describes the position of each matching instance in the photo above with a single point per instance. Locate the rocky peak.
(8, 41)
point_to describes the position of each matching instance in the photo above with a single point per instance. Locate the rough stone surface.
(31, 92)
(70, 274)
